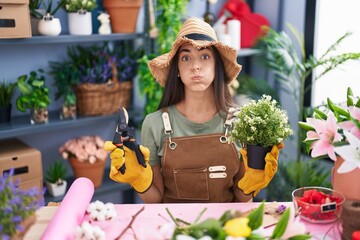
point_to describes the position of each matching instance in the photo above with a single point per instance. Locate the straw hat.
(200, 34)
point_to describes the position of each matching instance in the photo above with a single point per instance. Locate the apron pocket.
(192, 184)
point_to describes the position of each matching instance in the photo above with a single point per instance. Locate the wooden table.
(153, 215)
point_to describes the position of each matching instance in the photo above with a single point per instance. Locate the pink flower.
(349, 125)
(84, 149)
(325, 134)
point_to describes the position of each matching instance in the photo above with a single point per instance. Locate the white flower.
(88, 232)
(212, 1)
(98, 211)
(350, 153)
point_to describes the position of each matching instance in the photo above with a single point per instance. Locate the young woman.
(185, 141)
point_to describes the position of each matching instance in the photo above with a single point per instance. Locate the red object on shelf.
(251, 23)
(356, 235)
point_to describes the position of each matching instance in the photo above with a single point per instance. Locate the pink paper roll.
(71, 211)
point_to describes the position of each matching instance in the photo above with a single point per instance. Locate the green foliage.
(6, 93)
(261, 123)
(169, 21)
(76, 5)
(50, 8)
(56, 172)
(66, 76)
(216, 228)
(291, 70)
(34, 94)
(295, 174)
(255, 88)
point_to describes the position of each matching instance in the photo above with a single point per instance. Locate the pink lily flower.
(349, 125)
(326, 133)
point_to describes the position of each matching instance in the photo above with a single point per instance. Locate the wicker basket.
(102, 99)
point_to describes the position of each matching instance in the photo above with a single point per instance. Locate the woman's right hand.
(139, 177)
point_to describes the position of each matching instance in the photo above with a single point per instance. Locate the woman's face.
(196, 67)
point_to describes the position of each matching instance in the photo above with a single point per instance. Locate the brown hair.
(174, 90)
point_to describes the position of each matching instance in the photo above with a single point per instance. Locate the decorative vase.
(256, 156)
(80, 23)
(94, 172)
(35, 22)
(56, 189)
(123, 14)
(346, 183)
(68, 112)
(5, 114)
(39, 116)
(49, 26)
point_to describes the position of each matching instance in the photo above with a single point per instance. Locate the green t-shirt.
(152, 133)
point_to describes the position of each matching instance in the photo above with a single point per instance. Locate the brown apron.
(201, 168)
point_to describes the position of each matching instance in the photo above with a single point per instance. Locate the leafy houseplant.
(55, 179)
(169, 21)
(291, 70)
(65, 76)
(6, 93)
(17, 207)
(261, 123)
(79, 16)
(34, 95)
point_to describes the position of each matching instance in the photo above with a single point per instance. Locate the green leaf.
(320, 114)
(306, 126)
(256, 217)
(281, 225)
(301, 237)
(210, 226)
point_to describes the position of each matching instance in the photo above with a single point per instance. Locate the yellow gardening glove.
(254, 179)
(139, 177)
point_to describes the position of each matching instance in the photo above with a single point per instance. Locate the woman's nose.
(195, 67)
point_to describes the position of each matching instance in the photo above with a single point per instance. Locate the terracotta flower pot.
(123, 14)
(94, 172)
(346, 183)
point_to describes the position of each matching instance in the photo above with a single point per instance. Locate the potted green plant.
(55, 179)
(34, 95)
(49, 25)
(66, 76)
(258, 126)
(79, 16)
(6, 93)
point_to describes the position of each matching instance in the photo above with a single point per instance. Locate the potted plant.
(34, 95)
(334, 132)
(79, 16)
(6, 93)
(259, 125)
(101, 78)
(17, 207)
(66, 76)
(86, 156)
(49, 25)
(55, 179)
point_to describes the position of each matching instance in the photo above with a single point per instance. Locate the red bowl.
(318, 204)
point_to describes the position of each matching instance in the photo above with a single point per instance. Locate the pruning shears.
(124, 136)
